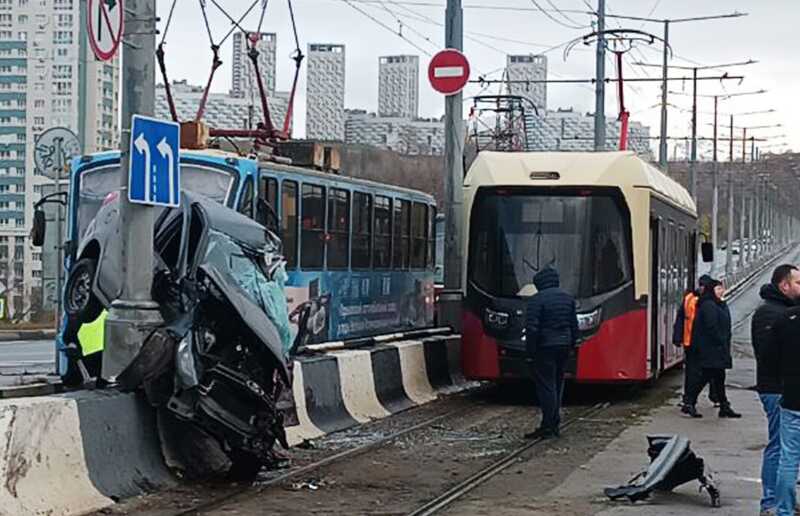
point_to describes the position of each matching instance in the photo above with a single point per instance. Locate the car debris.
(672, 463)
(218, 370)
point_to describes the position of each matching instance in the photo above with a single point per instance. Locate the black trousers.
(714, 378)
(547, 370)
(692, 375)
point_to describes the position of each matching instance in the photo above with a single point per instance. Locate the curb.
(76, 453)
(10, 336)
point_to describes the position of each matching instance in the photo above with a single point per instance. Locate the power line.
(559, 11)
(382, 24)
(556, 20)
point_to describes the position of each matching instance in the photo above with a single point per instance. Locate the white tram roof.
(623, 169)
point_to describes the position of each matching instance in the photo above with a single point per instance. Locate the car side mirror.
(39, 228)
(707, 251)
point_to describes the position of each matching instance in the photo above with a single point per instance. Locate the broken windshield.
(96, 184)
(515, 235)
(261, 276)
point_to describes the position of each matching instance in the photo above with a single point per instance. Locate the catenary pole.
(600, 86)
(134, 314)
(454, 177)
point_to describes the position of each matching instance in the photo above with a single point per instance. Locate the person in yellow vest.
(84, 350)
(682, 336)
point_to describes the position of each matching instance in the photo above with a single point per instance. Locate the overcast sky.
(769, 34)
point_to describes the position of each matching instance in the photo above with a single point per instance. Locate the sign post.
(104, 23)
(53, 150)
(448, 73)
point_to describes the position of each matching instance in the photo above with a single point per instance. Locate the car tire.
(79, 300)
(244, 466)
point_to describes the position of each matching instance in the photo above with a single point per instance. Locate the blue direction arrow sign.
(154, 172)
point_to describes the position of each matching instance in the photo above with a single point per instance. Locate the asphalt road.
(26, 357)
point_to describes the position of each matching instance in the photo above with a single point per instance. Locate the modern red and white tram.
(622, 236)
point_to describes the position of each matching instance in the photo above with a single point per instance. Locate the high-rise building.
(528, 67)
(48, 78)
(398, 86)
(244, 74)
(325, 92)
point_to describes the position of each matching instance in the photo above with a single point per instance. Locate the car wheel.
(79, 300)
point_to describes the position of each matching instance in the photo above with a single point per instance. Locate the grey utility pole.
(693, 160)
(454, 178)
(134, 314)
(600, 85)
(662, 147)
(731, 224)
(752, 220)
(742, 214)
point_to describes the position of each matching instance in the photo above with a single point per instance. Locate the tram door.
(656, 301)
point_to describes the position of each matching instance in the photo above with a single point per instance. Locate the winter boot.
(691, 410)
(725, 410)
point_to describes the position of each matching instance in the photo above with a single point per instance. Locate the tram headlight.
(589, 320)
(496, 319)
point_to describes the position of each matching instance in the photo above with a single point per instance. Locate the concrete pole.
(600, 85)
(662, 147)
(743, 211)
(133, 316)
(60, 165)
(729, 254)
(714, 211)
(454, 176)
(693, 160)
(757, 215)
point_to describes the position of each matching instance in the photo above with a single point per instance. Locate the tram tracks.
(480, 477)
(433, 505)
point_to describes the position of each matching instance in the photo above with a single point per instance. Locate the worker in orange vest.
(682, 335)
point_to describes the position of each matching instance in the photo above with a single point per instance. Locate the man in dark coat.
(778, 296)
(711, 338)
(682, 336)
(551, 331)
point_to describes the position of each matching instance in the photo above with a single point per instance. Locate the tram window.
(338, 228)
(419, 241)
(312, 243)
(431, 237)
(402, 233)
(362, 230)
(382, 253)
(611, 265)
(271, 192)
(246, 202)
(289, 222)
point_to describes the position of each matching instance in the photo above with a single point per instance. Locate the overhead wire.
(169, 21)
(412, 29)
(385, 26)
(559, 11)
(556, 20)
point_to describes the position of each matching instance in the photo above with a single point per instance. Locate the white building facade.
(243, 74)
(567, 130)
(398, 86)
(403, 135)
(528, 67)
(48, 77)
(223, 111)
(325, 115)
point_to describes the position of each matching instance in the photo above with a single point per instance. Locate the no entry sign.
(104, 21)
(448, 71)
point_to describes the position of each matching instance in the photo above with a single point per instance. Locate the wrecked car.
(217, 369)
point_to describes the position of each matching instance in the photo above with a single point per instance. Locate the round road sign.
(47, 144)
(448, 71)
(104, 20)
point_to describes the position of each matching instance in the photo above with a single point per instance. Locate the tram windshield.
(515, 234)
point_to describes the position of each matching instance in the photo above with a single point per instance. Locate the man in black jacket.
(551, 331)
(778, 296)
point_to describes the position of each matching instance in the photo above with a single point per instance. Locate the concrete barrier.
(341, 389)
(75, 453)
(70, 454)
(13, 335)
